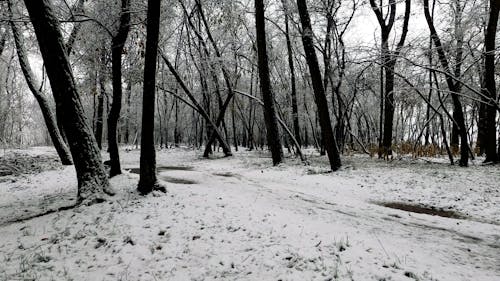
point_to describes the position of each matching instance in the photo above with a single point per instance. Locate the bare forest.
(249, 140)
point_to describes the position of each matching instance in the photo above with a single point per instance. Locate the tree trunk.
(3, 39)
(92, 178)
(127, 116)
(199, 108)
(147, 180)
(389, 108)
(458, 114)
(273, 137)
(295, 108)
(489, 91)
(100, 113)
(328, 138)
(223, 106)
(117, 45)
(48, 115)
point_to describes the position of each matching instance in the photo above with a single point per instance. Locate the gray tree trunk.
(273, 137)
(92, 179)
(117, 45)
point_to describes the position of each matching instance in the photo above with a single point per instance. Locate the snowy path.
(238, 219)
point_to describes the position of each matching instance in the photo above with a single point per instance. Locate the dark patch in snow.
(225, 174)
(163, 168)
(177, 180)
(422, 210)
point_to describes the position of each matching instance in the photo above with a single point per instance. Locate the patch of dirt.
(225, 174)
(422, 210)
(177, 180)
(163, 168)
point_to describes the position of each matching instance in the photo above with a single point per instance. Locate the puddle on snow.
(422, 210)
(177, 180)
(163, 168)
(225, 174)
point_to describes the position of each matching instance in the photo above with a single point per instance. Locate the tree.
(273, 137)
(92, 179)
(99, 124)
(453, 87)
(317, 83)
(388, 62)
(48, 114)
(117, 45)
(3, 39)
(489, 90)
(293, 92)
(148, 181)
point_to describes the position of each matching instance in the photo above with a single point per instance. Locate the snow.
(239, 218)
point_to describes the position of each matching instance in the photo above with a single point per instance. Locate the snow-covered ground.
(239, 218)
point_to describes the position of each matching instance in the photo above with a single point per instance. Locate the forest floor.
(239, 218)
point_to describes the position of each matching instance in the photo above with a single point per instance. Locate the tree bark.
(117, 45)
(148, 181)
(92, 178)
(489, 91)
(3, 39)
(273, 137)
(100, 108)
(319, 92)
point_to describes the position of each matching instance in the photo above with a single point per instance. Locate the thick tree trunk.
(389, 60)
(48, 115)
(117, 45)
(389, 108)
(273, 137)
(92, 178)
(385, 57)
(319, 92)
(148, 181)
(389, 82)
(3, 39)
(489, 91)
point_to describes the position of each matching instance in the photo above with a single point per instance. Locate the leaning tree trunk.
(458, 114)
(317, 83)
(223, 106)
(117, 45)
(48, 115)
(147, 180)
(489, 91)
(92, 179)
(273, 137)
